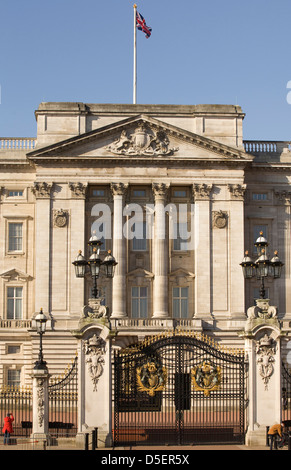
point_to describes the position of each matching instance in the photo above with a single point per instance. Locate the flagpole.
(134, 57)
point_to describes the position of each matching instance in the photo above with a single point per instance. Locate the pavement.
(26, 444)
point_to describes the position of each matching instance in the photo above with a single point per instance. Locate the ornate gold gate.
(178, 388)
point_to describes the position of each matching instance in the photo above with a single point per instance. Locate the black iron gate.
(286, 393)
(178, 389)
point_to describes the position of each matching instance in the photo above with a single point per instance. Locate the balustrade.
(17, 143)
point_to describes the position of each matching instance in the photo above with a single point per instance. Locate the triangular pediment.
(139, 137)
(15, 275)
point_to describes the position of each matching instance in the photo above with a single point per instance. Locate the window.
(14, 303)
(180, 193)
(98, 192)
(180, 302)
(260, 197)
(139, 243)
(15, 236)
(13, 377)
(13, 350)
(181, 237)
(139, 193)
(139, 302)
(15, 193)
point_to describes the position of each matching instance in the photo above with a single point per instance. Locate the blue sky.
(200, 52)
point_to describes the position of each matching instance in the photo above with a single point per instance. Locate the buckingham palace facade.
(176, 195)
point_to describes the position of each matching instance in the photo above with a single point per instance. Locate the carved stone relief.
(266, 349)
(40, 401)
(219, 219)
(94, 349)
(60, 218)
(143, 142)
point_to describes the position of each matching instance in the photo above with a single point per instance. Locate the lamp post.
(262, 267)
(40, 321)
(95, 264)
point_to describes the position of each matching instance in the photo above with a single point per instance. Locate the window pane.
(143, 291)
(184, 308)
(10, 309)
(176, 308)
(134, 304)
(184, 292)
(134, 292)
(176, 292)
(10, 292)
(18, 309)
(144, 308)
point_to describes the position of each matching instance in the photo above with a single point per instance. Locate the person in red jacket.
(7, 428)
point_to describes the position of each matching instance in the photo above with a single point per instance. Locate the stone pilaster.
(42, 193)
(119, 252)
(160, 253)
(77, 242)
(236, 248)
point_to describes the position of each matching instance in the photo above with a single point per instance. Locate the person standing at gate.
(7, 428)
(274, 431)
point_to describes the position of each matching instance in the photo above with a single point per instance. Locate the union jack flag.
(142, 26)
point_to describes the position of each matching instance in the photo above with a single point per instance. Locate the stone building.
(176, 194)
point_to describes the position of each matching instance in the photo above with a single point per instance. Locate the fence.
(63, 409)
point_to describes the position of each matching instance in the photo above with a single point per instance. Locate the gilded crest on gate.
(151, 378)
(206, 377)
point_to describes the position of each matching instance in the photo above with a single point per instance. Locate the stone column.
(202, 251)
(42, 192)
(40, 400)
(119, 252)
(160, 254)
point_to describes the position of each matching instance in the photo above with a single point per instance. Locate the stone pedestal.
(40, 424)
(95, 384)
(262, 344)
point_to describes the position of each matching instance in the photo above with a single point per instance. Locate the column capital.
(160, 190)
(119, 189)
(283, 196)
(78, 190)
(237, 191)
(42, 190)
(202, 191)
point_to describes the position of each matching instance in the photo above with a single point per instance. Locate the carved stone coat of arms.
(144, 141)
